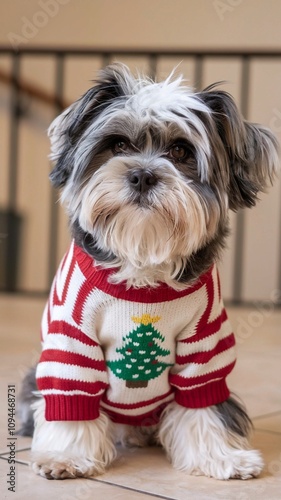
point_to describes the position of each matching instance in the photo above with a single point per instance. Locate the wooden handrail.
(33, 91)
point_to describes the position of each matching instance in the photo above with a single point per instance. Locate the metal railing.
(57, 101)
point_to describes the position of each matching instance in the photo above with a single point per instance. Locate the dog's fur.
(148, 173)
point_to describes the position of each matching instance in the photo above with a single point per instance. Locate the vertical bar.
(152, 66)
(54, 207)
(11, 218)
(14, 133)
(106, 59)
(240, 220)
(198, 73)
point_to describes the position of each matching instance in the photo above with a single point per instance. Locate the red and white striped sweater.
(131, 352)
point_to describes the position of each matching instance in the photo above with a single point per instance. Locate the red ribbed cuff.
(200, 397)
(76, 407)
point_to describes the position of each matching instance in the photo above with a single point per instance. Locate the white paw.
(239, 464)
(246, 464)
(50, 468)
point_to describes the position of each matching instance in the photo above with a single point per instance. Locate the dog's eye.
(120, 146)
(178, 152)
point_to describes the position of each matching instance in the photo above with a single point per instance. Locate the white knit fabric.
(86, 324)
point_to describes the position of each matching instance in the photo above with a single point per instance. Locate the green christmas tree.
(140, 351)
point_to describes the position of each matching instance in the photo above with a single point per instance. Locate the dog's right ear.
(65, 132)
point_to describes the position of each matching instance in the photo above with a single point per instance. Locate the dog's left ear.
(252, 150)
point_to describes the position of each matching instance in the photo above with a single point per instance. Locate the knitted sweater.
(131, 351)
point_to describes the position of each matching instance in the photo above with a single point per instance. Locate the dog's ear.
(65, 132)
(252, 150)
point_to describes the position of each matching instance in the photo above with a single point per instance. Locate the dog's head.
(149, 171)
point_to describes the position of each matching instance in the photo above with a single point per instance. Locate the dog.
(136, 340)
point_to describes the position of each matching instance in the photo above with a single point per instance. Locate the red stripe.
(210, 301)
(98, 278)
(45, 383)
(180, 381)
(134, 406)
(144, 420)
(205, 330)
(62, 327)
(82, 292)
(212, 327)
(56, 299)
(64, 260)
(82, 295)
(49, 313)
(71, 358)
(205, 356)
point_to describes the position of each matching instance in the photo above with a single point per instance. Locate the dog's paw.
(240, 464)
(51, 468)
(55, 470)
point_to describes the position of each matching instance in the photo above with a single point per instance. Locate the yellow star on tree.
(146, 319)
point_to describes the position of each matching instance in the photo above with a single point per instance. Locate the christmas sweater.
(130, 352)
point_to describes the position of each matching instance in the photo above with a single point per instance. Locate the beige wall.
(184, 24)
(146, 23)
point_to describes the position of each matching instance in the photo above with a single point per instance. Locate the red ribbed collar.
(98, 278)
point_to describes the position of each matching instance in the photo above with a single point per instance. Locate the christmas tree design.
(140, 351)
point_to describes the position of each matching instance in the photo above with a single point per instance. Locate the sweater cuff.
(209, 394)
(76, 407)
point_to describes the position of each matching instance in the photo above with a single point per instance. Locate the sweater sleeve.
(71, 373)
(206, 355)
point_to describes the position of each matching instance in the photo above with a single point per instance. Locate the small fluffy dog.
(136, 340)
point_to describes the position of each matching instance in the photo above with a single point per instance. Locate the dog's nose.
(142, 180)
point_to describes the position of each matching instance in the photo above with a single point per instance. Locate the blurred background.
(50, 50)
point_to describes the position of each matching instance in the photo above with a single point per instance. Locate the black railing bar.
(238, 265)
(54, 207)
(106, 59)
(152, 64)
(14, 134)
(245, 87)
(160, 52)
(12, 226)
(198, 72)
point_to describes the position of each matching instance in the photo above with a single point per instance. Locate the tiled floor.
(146, 473)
